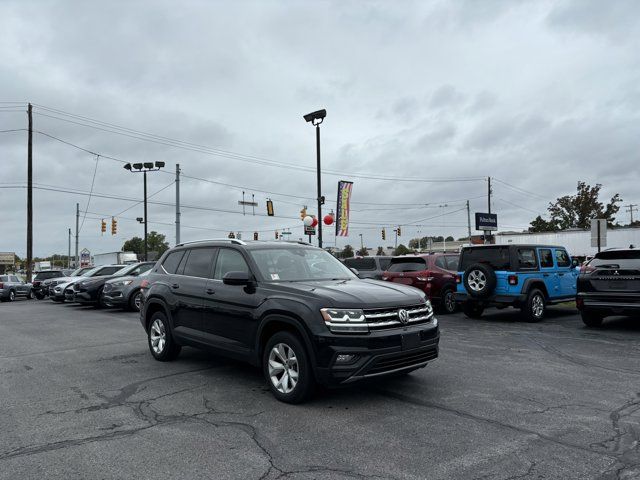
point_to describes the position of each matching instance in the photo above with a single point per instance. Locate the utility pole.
(396, 232)
(69, 251)
(29, 195)
(630, 208)
(469, 221)
(487, 233)
(77, 265)
(145, 215)
(361, 242)
(177, 203)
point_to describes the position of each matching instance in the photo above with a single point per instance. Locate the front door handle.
(545, 274)
(210, 291)
(175, 286)
(561, 274)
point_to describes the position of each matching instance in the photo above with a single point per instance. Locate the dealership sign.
(7, 258)
(486, 221)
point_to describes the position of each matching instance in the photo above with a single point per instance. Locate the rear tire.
(472, 310)
(287, 369)
(161, 343)
(535, 307)
(12, 296)
(30, 295)
(39, 296)
(447, 302)
(591, 319)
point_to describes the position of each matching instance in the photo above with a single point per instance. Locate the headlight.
(345, 320)
(121, 284)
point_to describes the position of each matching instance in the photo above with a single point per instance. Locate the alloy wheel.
(12, 296)
(449, 302)
(477, 280)
(137, 301)
(537, 306)
(158, 336)
(283, 368)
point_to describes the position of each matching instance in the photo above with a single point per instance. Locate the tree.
(363, 252)
(380, 252)
(449, 239)
(402, 250)
(156, 242)
(347, 252)
(135, 245)
(576, 211)
(414, 243)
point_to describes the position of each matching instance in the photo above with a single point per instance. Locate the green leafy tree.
(402, 250)
(449, 239)
(135, 245)
(157, 242)
(380, 252)
(414, 243)
(347, 252)
(363, 252)
(576, 211)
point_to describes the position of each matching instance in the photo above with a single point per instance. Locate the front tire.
(287, 368)
(535, 307)
(30, 295)
(135, 301)
(12, 296)
(161, 343)
(39, 296)
(472, 310)
(591, 319)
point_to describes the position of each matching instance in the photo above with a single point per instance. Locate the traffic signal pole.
(29, 194)
(145, 215)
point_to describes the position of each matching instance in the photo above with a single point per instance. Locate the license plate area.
(618, 285)
(410, 340)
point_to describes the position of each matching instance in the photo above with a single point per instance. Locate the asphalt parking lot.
(81, 397)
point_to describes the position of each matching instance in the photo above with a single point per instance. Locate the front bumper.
(114, 298)
(614, 303)
(86, 296)
(379, 353)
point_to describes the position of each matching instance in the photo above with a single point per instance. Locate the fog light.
(345, 358)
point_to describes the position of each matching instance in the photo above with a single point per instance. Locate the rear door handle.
(545, 274)
(175, 286)
(561, 274)
(210, 291)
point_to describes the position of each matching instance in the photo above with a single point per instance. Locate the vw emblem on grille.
(616, 272)
(403, 316)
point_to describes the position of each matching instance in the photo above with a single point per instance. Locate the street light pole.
(316, 118)
(145, 216)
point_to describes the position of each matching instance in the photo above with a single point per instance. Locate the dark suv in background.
(369, 267)
(291, 308)
(433, 273)
(609, 285)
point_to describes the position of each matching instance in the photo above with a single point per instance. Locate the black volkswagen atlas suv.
(292, 309)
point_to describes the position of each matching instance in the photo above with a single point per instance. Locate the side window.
(562, 258)
(441, 262)
(452, 263)
(170, 263)
(229, 261)
(546, 259)
(384, 263)
(14, 279)
(527, 259)
(199, 262)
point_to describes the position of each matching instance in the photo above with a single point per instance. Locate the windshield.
(134, 269)
(299, 264)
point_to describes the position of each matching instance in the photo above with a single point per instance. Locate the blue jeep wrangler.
(528, 277)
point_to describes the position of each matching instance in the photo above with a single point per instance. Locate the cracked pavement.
(82, 398)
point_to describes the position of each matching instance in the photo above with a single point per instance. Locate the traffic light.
(303, 213)
(255, 235)
(114, 226)
(103, 226)
(277, 235)
(270, 208)
(384, 234)
(399, 231)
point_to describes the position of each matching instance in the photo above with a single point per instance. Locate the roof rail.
(235, 241)
(299, 242)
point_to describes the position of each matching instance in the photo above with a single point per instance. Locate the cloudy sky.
(424, 100)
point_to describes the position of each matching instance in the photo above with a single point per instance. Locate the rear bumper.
(379, 354)
(615, 303)
(493, 300)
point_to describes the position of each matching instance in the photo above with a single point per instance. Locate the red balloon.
(328, 219)
(315, 222)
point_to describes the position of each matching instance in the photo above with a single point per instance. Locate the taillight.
(579, 302)
(144, 284)
(513, 279)
(587, 269)
(458, 278)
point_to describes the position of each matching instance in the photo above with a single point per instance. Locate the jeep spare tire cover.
(479, 280)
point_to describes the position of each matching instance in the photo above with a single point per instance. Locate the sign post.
(487, 222)
(598, 233)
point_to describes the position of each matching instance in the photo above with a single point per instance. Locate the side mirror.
(134, 274)
(355, 270)
(236, 278)
(575, 263)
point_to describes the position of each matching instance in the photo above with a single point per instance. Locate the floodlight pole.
(319, 185)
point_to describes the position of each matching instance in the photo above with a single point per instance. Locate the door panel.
(567, 274)
(549, 272)
(189, 287)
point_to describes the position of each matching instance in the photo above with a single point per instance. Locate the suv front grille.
(402, 360)
(382, 318)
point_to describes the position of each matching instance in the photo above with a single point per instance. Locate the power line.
(93, 180)
(142, 201)
(518, 189)
(519, 206)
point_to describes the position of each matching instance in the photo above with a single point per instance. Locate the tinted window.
(407, 264)
(546, 259)
(229, 261)
(361, 263)
(441, 262)
(527, 258)
(562, 257)
(452, 262)
(496, 257)
(199, 262)
(170, 263)
(107, 271)
(4, 278)
(384, 263)
(624, 259)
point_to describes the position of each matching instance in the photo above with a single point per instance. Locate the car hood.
(357, 293)
(65, 279)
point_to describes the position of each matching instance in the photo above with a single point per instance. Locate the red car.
(433, 273)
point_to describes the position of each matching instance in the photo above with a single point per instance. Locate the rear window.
(4, 278)
(496, 257)
(172, 261)
(407, 264)
(624, 259)
(49, 274)
(384, 263)
(361, 263)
